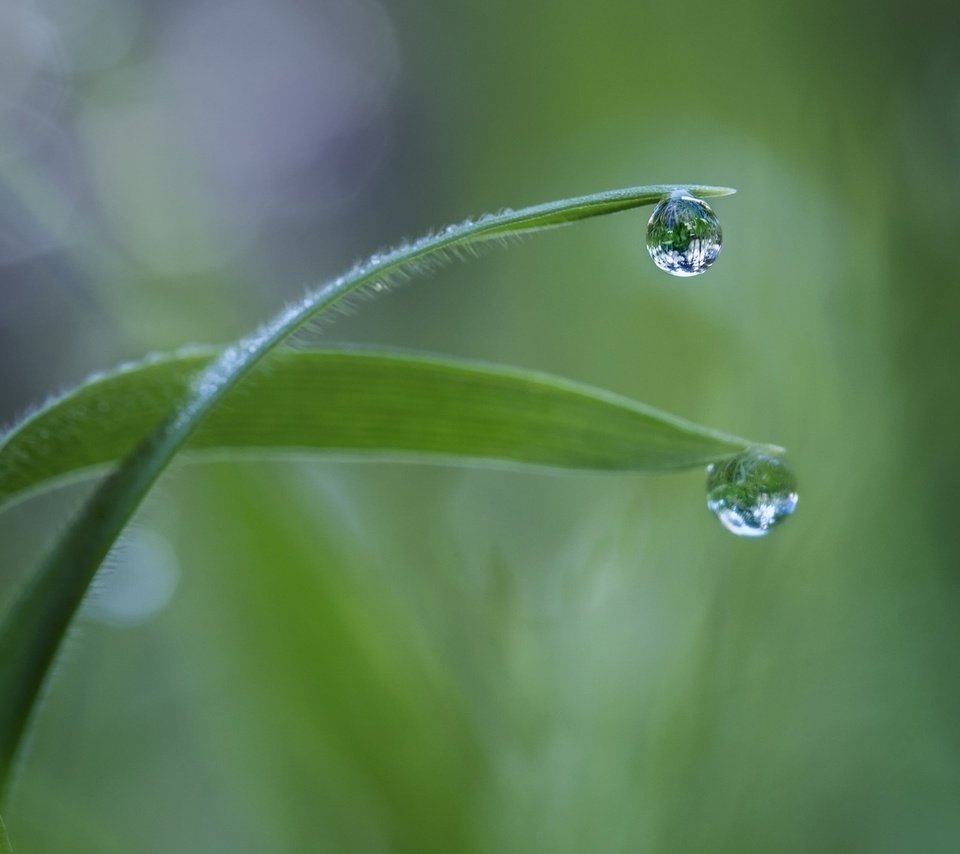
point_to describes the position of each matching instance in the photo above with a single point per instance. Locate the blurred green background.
(321, 656)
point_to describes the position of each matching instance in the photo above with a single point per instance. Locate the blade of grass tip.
(33, 627)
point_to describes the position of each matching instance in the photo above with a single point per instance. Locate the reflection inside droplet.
(751, 493)
(683, 235)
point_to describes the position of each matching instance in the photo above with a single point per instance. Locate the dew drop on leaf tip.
(751, 493)
(683, 235)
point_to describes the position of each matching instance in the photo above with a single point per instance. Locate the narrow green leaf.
(349, 401)
(32, 630)
(553, 214)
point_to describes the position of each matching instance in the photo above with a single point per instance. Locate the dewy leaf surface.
(358, 401)
(31, 631)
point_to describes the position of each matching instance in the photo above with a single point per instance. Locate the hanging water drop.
(683, 235)
(751, 493)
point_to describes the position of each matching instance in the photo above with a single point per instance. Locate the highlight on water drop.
(683, 235)
(751, 493)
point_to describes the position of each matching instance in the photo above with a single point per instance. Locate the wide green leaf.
(350, 401)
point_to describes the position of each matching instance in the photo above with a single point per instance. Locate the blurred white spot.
(39, 179)
(39, 184)
(97, 34)
(277, 92)
(137, 584)
(30, 50)
(156, 203)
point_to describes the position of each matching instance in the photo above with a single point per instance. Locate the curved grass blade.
(359, 401)
(31, 631)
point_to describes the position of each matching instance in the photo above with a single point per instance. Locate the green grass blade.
(359, 401)
(554, 214)
(32, 630)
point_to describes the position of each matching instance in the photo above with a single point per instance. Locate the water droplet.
(751, 493)
(683, 235)
(142, 579)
